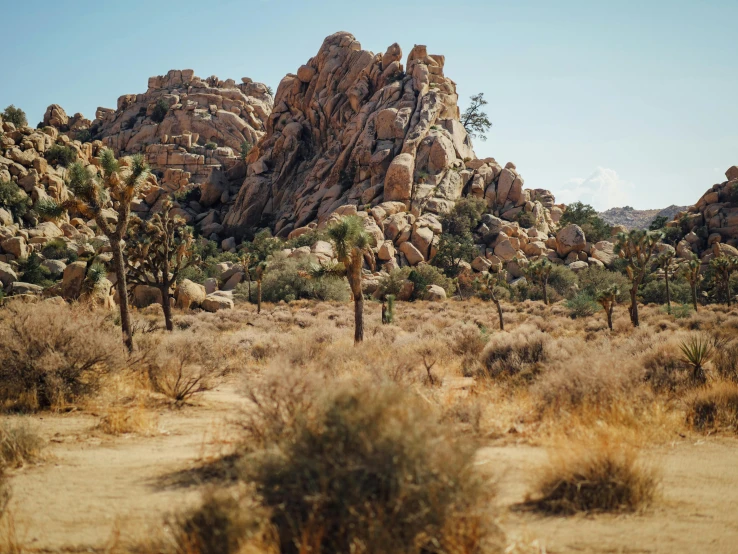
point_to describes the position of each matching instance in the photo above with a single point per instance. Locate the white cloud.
(603, 189)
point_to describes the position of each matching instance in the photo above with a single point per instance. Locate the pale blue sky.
(612, 102)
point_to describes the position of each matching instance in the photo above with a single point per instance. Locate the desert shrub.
(516, 353)
(210, 145)
(33, 272)
(599, 478)
(584, 215)
(13, 199)
(392, 283)
(221, 524)
(654, 292)
(286, 279)
(587, 379)
(526, 220)
(665, 369)
(306, 239)
(582, 305)
(182, 365)
(84, 135)
(725, 361)
(61, 155)
(593, 281)
(57, 249)
(371, 470)
(468, 343)
(563, 281)
(161, 108)
(424, 275)
(245, 149)
(51, 355)
(16, 116)
(19, 445)
(714, 408)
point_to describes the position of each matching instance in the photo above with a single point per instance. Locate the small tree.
(474, 119)
(723, 266)
(486, 289)
(161, 108)
(16, 116)
(539, 272)
(691, 271)
(664, 262)
(157, 250)
(117, 182)
(351, 242)
(607, 298)
(245, 149)
(456, 244)
(636, 248)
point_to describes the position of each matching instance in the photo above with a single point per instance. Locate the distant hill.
(638, 219)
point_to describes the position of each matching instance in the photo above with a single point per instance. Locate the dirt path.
(696, 513)
(93, 484)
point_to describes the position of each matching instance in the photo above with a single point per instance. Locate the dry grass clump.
(52, 355)
(517, 353)
(19, 445)
(714, 408)
(123, 420)
(370, 470)
(182, 365)
(599, 478)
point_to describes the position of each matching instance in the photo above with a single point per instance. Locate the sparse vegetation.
(161, 108)
(16, 116)
(14, 199)
(61, 155)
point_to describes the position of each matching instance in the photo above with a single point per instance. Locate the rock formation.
(630, 218)
(710, 227)
(355, 128)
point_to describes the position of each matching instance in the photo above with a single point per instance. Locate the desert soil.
(94, 491)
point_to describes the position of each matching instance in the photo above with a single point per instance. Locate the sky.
(609, 102)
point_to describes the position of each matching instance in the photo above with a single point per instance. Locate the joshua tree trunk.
(166, 307)
(545, 291)
(693, 288)
(120, 284)
(634, 305)
(608, 311)
(258, 296)
(668, 296)
(499, 313)
(354, 279)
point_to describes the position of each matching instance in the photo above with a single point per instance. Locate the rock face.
(710, 227)
(357, 128)
(631, 218)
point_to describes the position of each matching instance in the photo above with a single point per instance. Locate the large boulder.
(435, 293)
(15, 246)
(72, 280)
(604, 251)
(189, 294)
(7, 274)
(570, 239)
(217, 301)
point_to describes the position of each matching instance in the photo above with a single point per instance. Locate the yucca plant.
(697, 352)
(723, 266)
(388, 309)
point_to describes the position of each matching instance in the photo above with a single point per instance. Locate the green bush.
(57, 249)
(16, 116)
(245, 149)
(61, 155)
(286, 279)
(526, 220)
(14, 199)
(306, 239)
(593, 280)
(563, 281)
(424, 275)
(160, 111)
(33, 272)
(654, 292)
(584, 215)
(582, 305)
(85, 135)
(210, 145)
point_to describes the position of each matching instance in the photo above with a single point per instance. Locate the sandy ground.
(93, 486)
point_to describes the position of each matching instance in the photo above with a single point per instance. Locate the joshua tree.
(664, 262)
(351, 240)
(116, 181)
(691, 271)
(540, 271)
(723, 266)
(157, 250)
(247, 258)
(486, 289)
(636, 248)
(606, 299)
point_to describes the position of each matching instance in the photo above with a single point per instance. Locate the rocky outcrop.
(362, 129)
(630, 218)
(710, 227)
